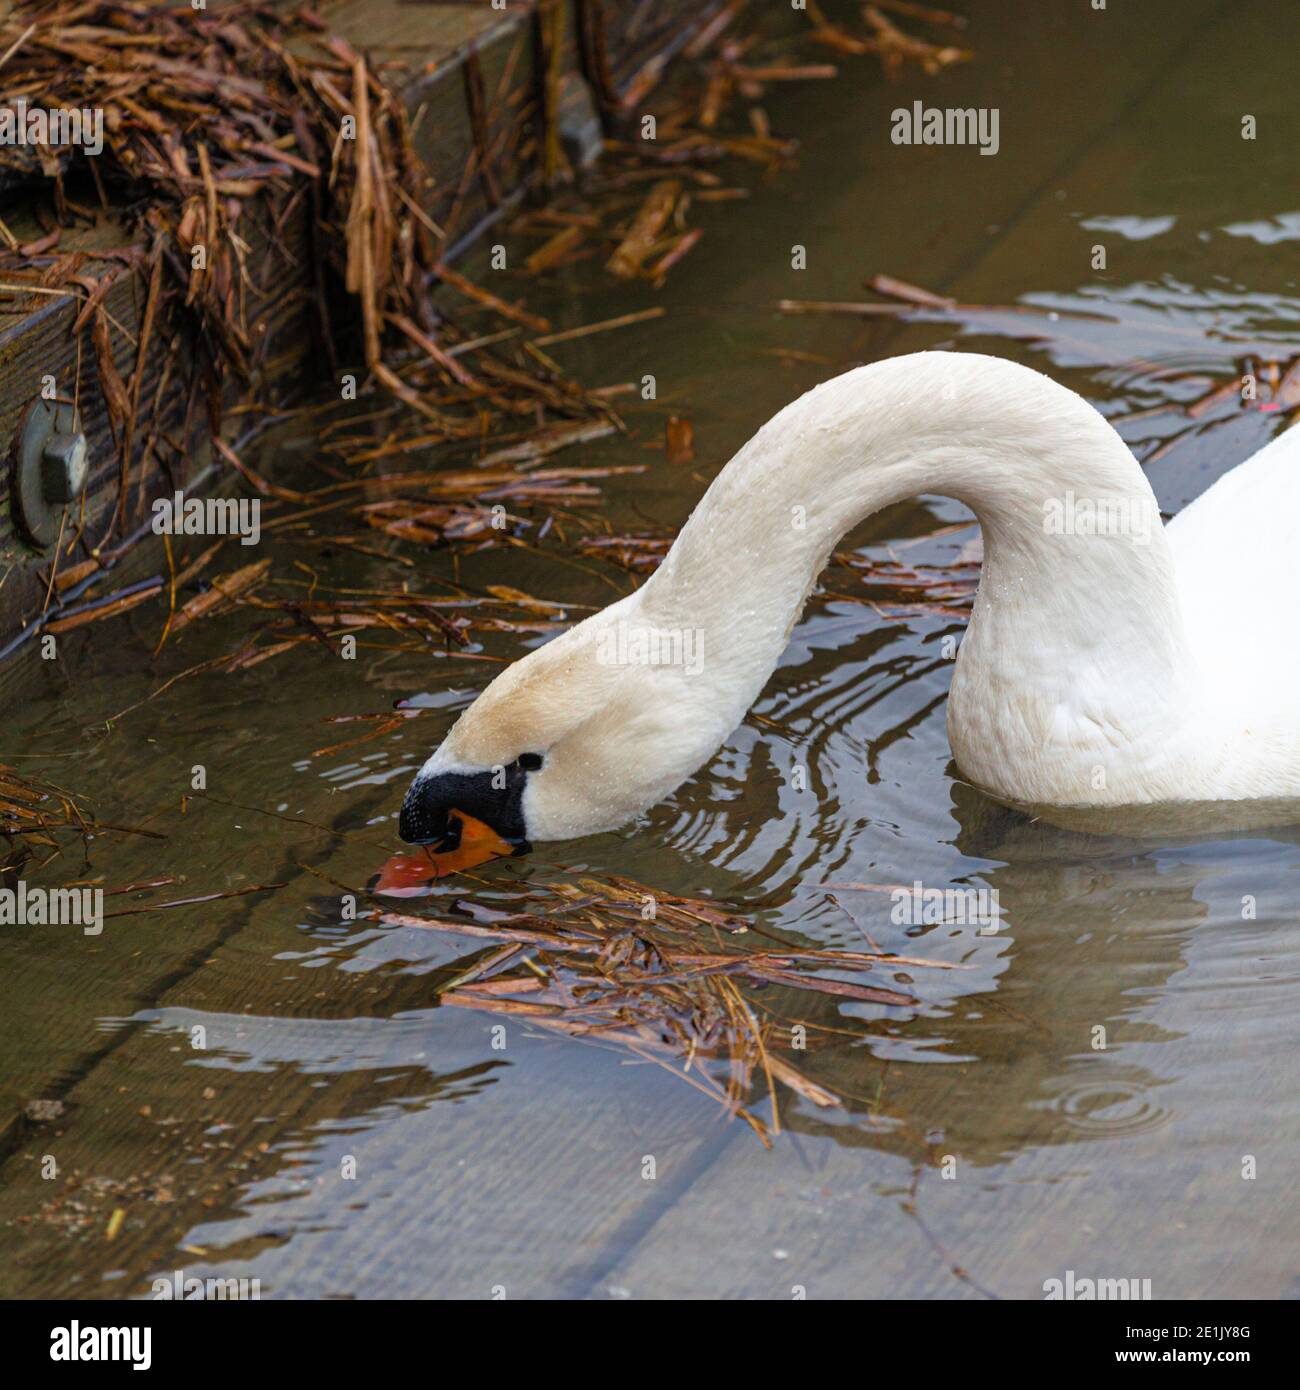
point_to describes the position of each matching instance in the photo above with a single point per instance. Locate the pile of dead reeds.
(39, 820)
(209, 115)
(633, 213)
(660, 976)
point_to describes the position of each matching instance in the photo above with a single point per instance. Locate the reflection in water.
(1168, 819)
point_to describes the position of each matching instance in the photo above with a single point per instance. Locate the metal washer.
(37, 519)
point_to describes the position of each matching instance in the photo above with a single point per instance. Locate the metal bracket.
(48, 468)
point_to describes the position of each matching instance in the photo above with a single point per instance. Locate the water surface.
(1106, 1086)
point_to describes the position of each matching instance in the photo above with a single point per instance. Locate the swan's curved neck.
(1077, 583)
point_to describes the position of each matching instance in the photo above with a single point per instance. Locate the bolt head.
(63, 467)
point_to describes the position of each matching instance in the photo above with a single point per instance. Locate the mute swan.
(1109, 661)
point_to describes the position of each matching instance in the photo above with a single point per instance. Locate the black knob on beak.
(436, 803)
(422, 821)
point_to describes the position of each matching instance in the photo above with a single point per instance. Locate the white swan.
(1108, 662)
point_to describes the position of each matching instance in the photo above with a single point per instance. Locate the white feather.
(1152, 665)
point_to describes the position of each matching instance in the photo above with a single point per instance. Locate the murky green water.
(989, 1143)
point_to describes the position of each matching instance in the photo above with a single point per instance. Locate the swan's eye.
(530, 762)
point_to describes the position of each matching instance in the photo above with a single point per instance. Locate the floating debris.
(44, 1112)
(641, 233)
(679, 440)
(114, 1227)
(37, 809)
(636, 554)
(656, 974)
(39, 821)
(214, 122)
(1269, 382)
(839, 306)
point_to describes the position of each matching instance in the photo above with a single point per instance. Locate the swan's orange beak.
(470, 842)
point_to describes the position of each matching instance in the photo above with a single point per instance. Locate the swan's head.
(570, 740)
(443, 802)
(483, 767)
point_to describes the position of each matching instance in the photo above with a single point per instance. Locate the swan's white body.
(1160, 664)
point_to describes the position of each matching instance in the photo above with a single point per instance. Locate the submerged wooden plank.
(1020, 1150)
(302, 1147)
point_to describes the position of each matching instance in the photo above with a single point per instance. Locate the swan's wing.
(1237, 553)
